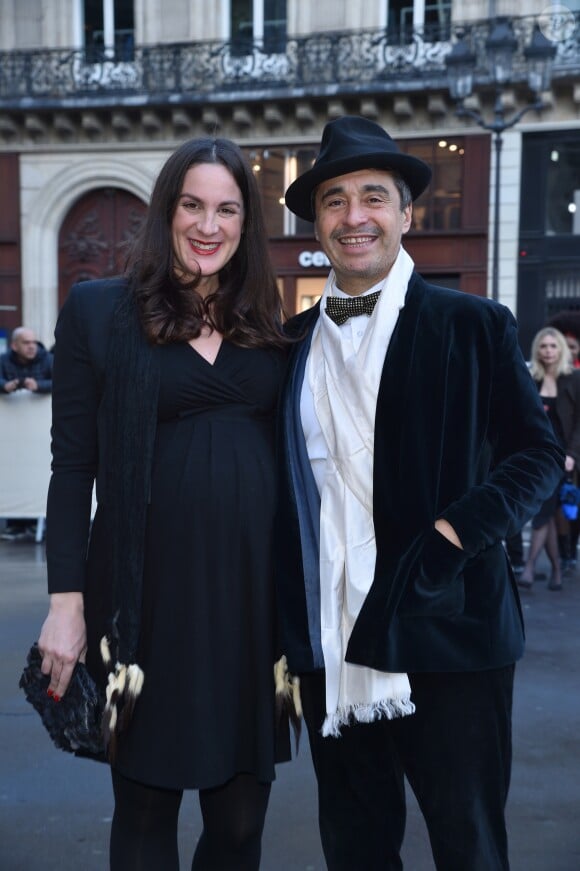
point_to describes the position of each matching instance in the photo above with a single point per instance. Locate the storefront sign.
(313, 258)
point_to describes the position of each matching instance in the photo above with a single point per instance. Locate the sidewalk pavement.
(55, 810)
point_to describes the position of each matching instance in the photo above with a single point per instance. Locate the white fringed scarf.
(345, 385)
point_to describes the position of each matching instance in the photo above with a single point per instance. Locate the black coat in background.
(460, 434)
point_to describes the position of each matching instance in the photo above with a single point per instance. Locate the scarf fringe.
(124, 686)
(288, 701)
(386, 709)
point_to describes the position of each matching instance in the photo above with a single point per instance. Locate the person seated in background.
(27, 365)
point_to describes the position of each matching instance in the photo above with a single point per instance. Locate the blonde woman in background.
(559, 387)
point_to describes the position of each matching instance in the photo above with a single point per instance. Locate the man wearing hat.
(413, 443)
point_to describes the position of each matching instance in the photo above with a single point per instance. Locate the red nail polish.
(56, 698)
(49, 693)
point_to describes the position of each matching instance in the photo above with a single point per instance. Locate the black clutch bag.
(73, 723)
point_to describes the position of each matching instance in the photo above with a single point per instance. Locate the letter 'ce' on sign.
(313, 258)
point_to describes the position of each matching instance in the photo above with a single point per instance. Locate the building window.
(439, 207)
(275, 26)
(402, 17)
(562, 215)
(108, 30)
(261, 22)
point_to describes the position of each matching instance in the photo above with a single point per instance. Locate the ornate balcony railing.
(321, 63)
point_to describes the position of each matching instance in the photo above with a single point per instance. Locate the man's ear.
(407, 218)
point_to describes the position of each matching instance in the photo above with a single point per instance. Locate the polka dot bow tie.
(340, 309)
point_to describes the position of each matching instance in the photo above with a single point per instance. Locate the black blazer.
(460, 434)
(80, 368)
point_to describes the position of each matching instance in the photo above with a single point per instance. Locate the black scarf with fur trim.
(129, 425)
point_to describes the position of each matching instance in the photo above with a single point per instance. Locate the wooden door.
(10, 288)
(96, 235)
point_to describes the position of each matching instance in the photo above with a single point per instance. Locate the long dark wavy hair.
(246, 307)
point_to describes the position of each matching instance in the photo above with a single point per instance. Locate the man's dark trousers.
(456, 754)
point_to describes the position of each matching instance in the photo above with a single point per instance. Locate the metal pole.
(495, 251)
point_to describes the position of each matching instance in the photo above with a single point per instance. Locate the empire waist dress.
(206, 711)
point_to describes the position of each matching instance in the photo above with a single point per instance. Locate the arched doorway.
(95, 236)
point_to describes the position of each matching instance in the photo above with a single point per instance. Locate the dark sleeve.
(45, 380)
(75, 400)
(4, 375)
(528, 462)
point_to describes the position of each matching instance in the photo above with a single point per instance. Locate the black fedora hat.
(348, 144)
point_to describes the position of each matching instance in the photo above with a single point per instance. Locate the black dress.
(206, 711)
(550, 505)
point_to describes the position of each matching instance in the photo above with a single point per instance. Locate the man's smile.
(356, 241)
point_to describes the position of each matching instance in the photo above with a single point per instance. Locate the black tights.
(144, 828)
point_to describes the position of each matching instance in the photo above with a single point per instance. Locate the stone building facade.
(94, 94)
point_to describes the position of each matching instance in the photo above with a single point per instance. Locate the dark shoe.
(524, 583)
(540, 576)
(554, 585)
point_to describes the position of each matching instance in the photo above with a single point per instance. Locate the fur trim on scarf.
(288, 701)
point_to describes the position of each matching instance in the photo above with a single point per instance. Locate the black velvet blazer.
(460, 434)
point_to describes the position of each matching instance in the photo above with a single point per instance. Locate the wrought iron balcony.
(329, 63)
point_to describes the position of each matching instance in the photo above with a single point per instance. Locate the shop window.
(108, 30)
(273, 170)
(562, 288)
(268, 166)
(438, 209)
(308, 292)
(303, 161)
(562, 215)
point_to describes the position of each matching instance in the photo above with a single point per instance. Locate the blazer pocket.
(437, 589)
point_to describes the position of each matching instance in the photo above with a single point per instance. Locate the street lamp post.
(500, 48)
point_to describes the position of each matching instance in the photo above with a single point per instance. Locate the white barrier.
(25, 420)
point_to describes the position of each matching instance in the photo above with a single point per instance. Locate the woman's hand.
(63, 640)
(569, 464)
